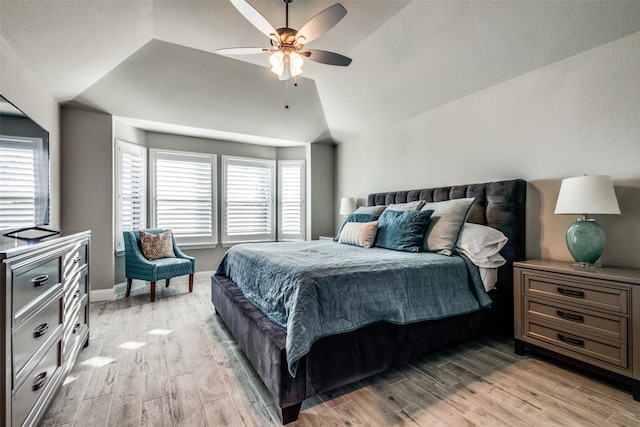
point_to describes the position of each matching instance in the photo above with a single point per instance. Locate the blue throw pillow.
(402, 230)
(356, 217)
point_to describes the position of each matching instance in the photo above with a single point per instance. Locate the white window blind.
(131, 213)
(291, 190)
(23, 182)
(248, 209)
(184, 196)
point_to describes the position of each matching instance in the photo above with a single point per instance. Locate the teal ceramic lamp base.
(586, 241)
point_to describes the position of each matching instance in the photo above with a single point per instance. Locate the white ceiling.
(154, 62)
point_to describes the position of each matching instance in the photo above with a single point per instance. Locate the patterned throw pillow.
(156, 246)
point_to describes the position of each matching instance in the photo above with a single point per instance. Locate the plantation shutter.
(131, 211)
(22, 194)
(291, 189)
(184, 195)
(249, 200)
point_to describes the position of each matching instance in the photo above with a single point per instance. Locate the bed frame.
(341, 359)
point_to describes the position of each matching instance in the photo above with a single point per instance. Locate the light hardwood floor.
(173, 362)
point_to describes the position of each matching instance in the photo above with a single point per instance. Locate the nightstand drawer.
(593, 323)
(612, 353)
(573, 292)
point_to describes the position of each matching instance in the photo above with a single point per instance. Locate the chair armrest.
(180, 254)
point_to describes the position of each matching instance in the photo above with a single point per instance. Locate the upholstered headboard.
(500, 205)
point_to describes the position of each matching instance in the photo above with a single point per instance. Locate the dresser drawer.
(40, 379)
(32, 281)
(34, 332)
(574, 292)
(602, 325)
(609, 352)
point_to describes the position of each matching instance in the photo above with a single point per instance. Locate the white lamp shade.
(347, 205)
(587, 195)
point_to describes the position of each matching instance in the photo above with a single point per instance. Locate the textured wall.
(577, 116)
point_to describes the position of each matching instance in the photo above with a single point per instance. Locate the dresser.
(587, 315)
(45, 319)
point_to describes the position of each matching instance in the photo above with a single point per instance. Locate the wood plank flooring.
(174, 363)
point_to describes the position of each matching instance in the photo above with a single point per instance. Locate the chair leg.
(166, 283)
(128, 287)
(191, 283)
(153, 291)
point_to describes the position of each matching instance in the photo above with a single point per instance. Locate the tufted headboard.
(500, 205)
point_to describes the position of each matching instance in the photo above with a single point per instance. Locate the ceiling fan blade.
(242, 50)
(255, 17)
(321, 23)
(324, 57)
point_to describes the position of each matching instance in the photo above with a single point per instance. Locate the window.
(291, 191)
(24, 182)
(248, 192)
(131, 188)
(184, 195)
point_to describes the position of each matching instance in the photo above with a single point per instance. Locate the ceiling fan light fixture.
(296, 60)
(277, 59)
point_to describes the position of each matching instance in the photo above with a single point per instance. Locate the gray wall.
(320, 191)
(23, 89)
(87, 183)
(577, 116)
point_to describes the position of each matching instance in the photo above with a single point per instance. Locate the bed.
(334, 360)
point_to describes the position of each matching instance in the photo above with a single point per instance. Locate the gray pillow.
(445, 224)
(374, 210)
(409, 206)
(402, 230)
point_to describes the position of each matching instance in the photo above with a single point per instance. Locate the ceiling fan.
(286, 49)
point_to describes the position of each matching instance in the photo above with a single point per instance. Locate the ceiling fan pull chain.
(286, 93)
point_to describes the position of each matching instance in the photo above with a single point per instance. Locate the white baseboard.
(102, 294)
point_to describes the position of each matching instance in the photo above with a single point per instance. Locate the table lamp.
(585, 195)
(347, 205)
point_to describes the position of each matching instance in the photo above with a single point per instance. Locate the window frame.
(123, 146)
(211, 159)
(260, 237)
(302, 201)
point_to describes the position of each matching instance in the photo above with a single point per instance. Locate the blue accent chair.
(140, 268)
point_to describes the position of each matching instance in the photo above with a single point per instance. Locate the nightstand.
(590, 316)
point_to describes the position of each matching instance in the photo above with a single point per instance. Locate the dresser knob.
(572, 341)
(569, 316)
(39, 381)
(40, 330)
(40, 280)
(571, 293)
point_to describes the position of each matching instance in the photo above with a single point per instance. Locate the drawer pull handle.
(572, 341)
(39, 381)
(40, 330)
(569, 316)
(571, 293)
(40, 280)
(76, 328)
(76, 259)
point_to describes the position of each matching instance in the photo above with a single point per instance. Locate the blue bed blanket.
(320, 288)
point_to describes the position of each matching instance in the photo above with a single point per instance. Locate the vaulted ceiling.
(153, 62)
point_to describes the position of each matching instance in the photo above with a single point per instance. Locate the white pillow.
(359, 233)
(482, 245)
(489, 277)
